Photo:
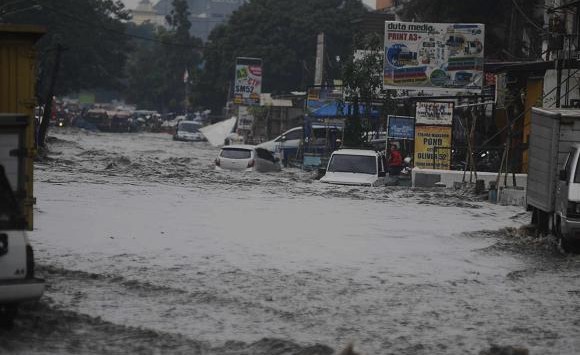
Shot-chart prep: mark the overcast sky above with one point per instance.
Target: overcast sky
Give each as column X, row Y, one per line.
column 131, row 4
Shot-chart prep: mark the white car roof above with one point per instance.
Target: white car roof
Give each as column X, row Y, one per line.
column 366, row 152
column 239, row 146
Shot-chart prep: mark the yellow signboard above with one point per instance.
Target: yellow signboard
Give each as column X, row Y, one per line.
column 433, row 147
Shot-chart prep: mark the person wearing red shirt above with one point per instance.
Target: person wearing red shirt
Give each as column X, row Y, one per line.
column 395, row 161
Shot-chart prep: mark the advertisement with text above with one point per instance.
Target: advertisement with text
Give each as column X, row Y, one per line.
column 433, row 147
column 248, row 84
column 434, row 56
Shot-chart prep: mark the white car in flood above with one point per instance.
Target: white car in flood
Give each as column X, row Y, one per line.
column 355, row 167
column 247, row 158
column 188, row 131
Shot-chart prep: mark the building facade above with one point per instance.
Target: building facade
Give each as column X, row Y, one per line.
column 204, row 14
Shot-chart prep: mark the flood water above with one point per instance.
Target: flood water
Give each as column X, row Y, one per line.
column 147, row 248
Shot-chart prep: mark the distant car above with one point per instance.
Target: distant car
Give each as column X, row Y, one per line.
column 247, row 158
column 355, row 167
column 188, row 131
column 288, row 142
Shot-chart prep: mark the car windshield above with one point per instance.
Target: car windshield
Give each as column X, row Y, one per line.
column 188, row 127
column 236, row 153
column 362, row 164
column 577, row 174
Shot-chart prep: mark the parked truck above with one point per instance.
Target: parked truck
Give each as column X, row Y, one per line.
column 17, row 141
column 553, row 188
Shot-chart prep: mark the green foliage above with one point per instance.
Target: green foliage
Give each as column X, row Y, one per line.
column 503, row 22
column 92, row 33
column 282, row 33
column 362, row 82
column 156, row 68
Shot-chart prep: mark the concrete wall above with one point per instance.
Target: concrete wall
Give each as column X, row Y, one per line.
column 446, row 178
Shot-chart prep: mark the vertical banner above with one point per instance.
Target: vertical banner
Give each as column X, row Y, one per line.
column 434, row 113
column 319, row 59
column 433, row 147
column 434, row 56
column 245, row 119
column 248, row 84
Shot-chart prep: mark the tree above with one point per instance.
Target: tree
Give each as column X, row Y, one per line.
column 83, row 48
column 505, row 22
column 362, row 82
column 156, row 69
column 283, row 34
column 92, row 33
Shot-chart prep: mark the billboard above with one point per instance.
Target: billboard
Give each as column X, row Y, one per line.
column 433, row 56
column 434, row 113
column 433, row 147
column 401, row 127
column 248, row 83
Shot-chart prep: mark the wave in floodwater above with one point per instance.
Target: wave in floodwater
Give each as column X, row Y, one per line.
column 97, row 155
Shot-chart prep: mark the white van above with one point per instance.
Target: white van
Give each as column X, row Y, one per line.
column 17, row 281
column 355, row 167
column 289, row 142
column 188, row 131
column 567, row 205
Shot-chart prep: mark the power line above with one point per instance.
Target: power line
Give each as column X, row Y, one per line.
column 529, row 109
column 527, row 18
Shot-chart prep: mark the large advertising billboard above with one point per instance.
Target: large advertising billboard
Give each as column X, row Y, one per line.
column 248, row 84
column 433, row 56
column 433, row 147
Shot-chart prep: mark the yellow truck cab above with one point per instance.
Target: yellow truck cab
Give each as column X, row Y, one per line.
column 17, row 149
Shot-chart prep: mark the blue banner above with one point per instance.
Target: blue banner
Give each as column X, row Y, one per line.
column 401, row 127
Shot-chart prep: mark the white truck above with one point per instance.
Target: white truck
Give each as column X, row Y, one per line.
column 17, row 150
column 17, row 281
column 553, row 188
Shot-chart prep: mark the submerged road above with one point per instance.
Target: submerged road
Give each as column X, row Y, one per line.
column 138, row 235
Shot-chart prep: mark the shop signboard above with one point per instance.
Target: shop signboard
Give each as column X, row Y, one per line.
column 248, row 82
column 434, row 113
column 433, row 56
column 433, row 147
column 401, row 127
column 245, row 119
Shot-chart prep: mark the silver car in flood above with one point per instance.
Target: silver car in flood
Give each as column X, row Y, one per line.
column 247, row 158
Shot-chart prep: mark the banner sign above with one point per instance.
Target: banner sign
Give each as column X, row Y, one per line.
column 434, row 113
column 248, row 84
column 433, row 147
column 434, row 56
column 245, row 119
column 401, row 127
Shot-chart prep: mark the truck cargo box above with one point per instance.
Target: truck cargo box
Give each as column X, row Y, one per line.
column 553, row 131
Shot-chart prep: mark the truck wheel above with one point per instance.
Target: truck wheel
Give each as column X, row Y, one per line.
column 565, row 244
column 7, row 314
column 534, row 216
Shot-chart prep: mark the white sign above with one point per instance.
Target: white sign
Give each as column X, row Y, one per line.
column 245, row 119
column 434, row 113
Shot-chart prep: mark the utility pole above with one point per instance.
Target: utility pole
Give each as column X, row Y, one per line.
column 43, row 130
column 318, row 73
